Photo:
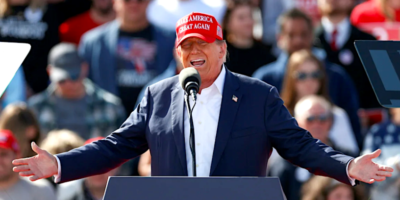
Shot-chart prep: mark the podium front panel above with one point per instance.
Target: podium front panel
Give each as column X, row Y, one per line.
column 190, row 188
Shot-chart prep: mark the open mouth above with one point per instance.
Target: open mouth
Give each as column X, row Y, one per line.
column 198, row 62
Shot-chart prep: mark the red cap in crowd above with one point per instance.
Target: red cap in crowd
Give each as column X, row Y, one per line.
column 199, row 25
column 8, row 141
column 93, row 140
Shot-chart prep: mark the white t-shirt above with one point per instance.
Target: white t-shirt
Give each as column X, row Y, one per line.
column 27, row 190
column 166, row 13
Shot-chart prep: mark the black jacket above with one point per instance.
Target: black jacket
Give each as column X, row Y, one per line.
column 347, row 57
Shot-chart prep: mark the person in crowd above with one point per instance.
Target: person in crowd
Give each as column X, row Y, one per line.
column 21, row 121
column 62, row 140
column 305, row 75
column 32, row 22
column 336, row 36
column 100, row 12
column 174, row 68
column 272, row 9
column 165, row 14
column 246, row 54
column 127, row 53
column 315, row 114
column 59, row 141
column 74, row 102
column 12, row 186
column 296, row 33
column 324, row 188
column 386, row 135
column 376, row 11
column 90, row 188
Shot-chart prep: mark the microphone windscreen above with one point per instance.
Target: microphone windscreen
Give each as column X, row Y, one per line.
column 187, row 75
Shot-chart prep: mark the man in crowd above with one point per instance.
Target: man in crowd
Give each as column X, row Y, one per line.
column 12, row 186
column 238, row 120
column 296, row 33
column 314, row 114
column 74, row 102
column 100, row 12
column 336, row 36
column 125, row 54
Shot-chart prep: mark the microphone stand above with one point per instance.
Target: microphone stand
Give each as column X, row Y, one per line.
column 191, row 137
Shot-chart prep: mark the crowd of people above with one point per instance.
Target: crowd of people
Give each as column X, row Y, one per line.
column 91, row 61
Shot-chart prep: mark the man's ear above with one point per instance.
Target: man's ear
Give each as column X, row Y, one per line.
column 222, row 52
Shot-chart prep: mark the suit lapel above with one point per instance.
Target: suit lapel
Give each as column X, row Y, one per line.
column 178, row 125
column 227, row 116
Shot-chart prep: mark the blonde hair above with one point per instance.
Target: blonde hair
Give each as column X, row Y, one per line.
column 60, row 141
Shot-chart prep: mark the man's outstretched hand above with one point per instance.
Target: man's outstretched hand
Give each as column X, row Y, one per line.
column 364, row 169
column 43, row 165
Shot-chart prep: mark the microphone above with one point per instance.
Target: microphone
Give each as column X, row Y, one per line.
column 190, row 81
column 189, row 78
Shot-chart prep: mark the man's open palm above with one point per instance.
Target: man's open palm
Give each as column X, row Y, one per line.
column 364, row 169
column 43, row 165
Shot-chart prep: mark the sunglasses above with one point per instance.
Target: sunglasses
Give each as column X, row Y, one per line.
column 315, row 75
column 320, row 118
column 66, row 80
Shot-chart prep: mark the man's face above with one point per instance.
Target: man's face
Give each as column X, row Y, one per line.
column 6, row 166
column 295, row 35
column 207, row 58
column 131, row 10
column 317, row 121
column 103, row 6
column 333, row 7
column 70, row 88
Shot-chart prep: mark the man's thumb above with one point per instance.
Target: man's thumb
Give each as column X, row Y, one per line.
column 36, row 148
column 375, row 154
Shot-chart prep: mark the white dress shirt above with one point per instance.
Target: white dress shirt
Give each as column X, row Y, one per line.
column 205, row 121
column 343, row 31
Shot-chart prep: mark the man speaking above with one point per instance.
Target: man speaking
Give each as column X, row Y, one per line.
column 237, row 121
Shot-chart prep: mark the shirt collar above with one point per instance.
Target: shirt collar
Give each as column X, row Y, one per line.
column 219, row 82
column 329, row 27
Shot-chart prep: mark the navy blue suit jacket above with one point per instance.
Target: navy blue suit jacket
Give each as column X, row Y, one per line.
column 247, row 131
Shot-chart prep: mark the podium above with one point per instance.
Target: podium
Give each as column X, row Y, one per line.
column 193, row 188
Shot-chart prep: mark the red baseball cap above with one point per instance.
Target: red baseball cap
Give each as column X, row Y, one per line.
column 93, row 140
column 8, row 141
column 199, row 25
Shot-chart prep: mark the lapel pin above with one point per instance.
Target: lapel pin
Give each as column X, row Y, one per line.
column 234, row 98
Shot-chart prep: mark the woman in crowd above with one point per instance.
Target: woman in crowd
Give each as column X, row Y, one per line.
column 22, row 122
column 376, row 11
column 325, row 188
column 246, row 54
column 305, row 75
